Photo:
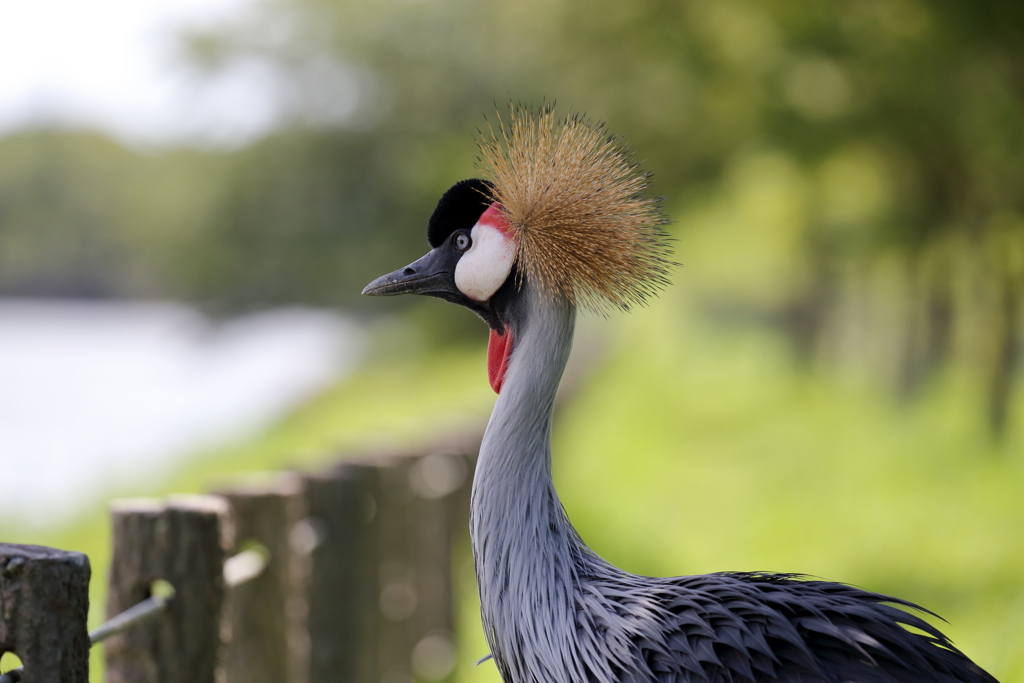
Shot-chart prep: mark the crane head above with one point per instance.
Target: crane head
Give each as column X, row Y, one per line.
column 473, row 253
column 472, row 257
column 563, row 209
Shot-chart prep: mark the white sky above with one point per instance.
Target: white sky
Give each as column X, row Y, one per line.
column 111, row 64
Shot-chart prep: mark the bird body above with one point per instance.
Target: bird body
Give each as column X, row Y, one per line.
column 555, row 612
column 552, row 610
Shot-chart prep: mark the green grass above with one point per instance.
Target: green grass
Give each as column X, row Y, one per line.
column 696, row 449
column 395, row 400
column 693, row 448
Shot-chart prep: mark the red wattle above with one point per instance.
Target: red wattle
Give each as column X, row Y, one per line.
column 499, row 349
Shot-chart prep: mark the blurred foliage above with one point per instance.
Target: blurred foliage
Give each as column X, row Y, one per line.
column 692, row 447
column 851, row 174
column 893, row 129
column 82, row 216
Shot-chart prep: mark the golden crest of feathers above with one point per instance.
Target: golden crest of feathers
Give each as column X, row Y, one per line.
column 572, row 196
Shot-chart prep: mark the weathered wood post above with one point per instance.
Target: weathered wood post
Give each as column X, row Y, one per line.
column 417, row 525
column 340, row 577
column 44, row 603
column 265, row 510
column 183, row 543
column 441, row 480
column 379, row 580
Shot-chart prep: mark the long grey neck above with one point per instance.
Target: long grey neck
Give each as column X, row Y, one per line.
column 526, row 552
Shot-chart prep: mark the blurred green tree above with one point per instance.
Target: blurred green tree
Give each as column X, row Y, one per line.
column 888, row 133
column 903, row 120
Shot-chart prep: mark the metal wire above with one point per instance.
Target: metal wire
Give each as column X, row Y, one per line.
column 133, row 616
column 238, row 569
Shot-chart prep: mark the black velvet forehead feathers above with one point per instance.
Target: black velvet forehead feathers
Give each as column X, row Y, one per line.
column 459, row 209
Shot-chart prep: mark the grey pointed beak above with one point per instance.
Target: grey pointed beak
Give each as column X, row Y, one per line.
column 434, row 273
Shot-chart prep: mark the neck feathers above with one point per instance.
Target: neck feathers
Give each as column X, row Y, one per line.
column 526, row 552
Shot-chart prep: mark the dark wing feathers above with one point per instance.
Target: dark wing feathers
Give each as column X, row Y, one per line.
column 783, row 628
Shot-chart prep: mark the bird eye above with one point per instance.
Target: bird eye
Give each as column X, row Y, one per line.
column 462, row 241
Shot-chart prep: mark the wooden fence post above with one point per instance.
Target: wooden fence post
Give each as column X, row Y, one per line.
column 44, row 603
column 340, row 577
column 181, row 542
column 256, row 613
column 432, row 521
column 379, row 584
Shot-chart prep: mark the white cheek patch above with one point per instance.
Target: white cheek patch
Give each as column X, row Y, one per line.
column 486, row 265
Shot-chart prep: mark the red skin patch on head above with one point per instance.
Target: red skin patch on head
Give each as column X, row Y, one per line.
column 499, row 346
column 495, row 217
column 499, row 349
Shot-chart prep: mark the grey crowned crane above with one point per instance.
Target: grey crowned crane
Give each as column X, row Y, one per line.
column 562, row 223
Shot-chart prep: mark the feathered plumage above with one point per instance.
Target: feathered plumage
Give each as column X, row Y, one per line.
column 555, row 612
column 573, row 197
column 552, row 610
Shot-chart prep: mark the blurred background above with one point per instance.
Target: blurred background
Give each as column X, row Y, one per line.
column 193, row 194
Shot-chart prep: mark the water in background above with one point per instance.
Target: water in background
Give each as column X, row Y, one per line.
column 96, row 395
